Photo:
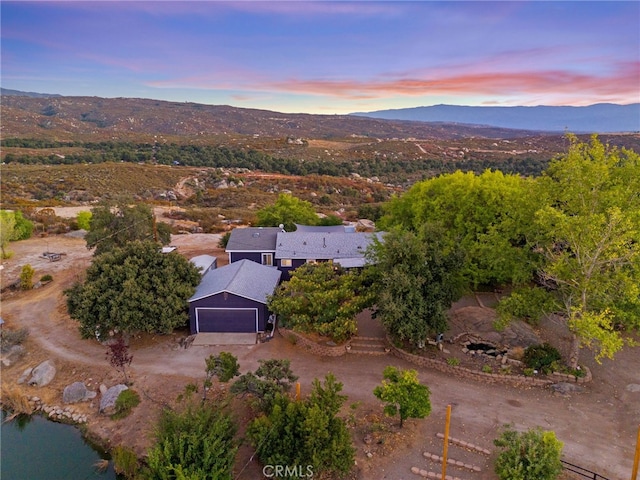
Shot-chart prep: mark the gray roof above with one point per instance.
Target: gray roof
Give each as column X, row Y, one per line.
column 323, row 246
column 253, row 239
column 203, row 262
column 243, row 278
column 321, row 228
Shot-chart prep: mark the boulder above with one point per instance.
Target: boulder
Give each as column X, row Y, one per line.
column 633, row 388
column 77, row 392
column 108, row 400
column 25, row 375
column 43, row 374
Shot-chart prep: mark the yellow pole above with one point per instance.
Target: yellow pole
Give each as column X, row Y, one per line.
column 297, row 391
column 446, row 442
column 636, row 460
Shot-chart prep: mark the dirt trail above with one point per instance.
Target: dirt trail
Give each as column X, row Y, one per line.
column 598, row 427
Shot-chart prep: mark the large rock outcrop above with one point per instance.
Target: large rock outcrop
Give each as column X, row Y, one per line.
column 108, row 400
column 43, row 374
column 77, row 392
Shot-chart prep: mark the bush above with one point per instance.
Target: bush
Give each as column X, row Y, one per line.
column 531, row 455
column 224, row 239
column 529, row 304
column 125, row 461
column 46, row 278
column 26, row 277
column 487, row 369
column 453, row 361
column 195, row 441
column 541, row 357
column 306, row 434
column 125, row 403
column 9, row 338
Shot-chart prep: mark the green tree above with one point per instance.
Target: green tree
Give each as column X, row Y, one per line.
column 306, row 435
column 272, row 378
column 531, row 455
column 589, row 237
column 195, row 442
column 487, row 216
column 287, row 210
column 418, row 280
column 26, row 277
column 224, row 366
column 23, row 228
column 84, row 220
column 115, row 226
column 322, row 298
column 403, row 394
column 7, row 231
column 132, row 289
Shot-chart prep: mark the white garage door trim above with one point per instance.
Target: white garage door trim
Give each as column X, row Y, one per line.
column 255, row 310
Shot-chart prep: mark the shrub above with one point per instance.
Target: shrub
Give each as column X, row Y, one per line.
column 125, row 461
column 195, row 441
column 454, row 362
column 9, row 338
column 541, row 357
column 528, row 372
column 306, row 433
column 26, row 277
column 224, row 239
column 125, row 403
column 46, row 278
column 531, row 455
column 487, row 369
column 529, row 304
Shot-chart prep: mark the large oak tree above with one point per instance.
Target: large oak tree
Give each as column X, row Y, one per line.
column 135, row 288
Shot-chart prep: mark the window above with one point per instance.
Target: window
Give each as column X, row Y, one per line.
column 267, row 259
column 286, row 262
column 311, row 260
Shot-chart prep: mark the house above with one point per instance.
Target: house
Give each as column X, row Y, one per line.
column 253, row 243
column 294, row 249
column 233, row 298
column 272, row 246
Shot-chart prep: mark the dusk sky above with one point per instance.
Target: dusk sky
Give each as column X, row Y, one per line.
column 327, row 57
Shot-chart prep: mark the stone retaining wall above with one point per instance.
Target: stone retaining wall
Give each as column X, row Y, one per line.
column 311, row 346
column 517, row 380
column 66, row 414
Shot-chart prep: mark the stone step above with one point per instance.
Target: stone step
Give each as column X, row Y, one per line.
column 368, row 346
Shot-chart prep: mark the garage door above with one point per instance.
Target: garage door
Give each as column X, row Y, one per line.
column 226, row 320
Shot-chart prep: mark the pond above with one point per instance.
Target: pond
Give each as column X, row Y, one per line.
column 35, row 448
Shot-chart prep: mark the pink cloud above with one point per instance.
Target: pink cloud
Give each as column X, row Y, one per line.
column 621, row 84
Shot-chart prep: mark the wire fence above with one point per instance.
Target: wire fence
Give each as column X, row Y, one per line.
column 583, row 472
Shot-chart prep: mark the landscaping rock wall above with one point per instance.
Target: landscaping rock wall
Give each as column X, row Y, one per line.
column 517, row 380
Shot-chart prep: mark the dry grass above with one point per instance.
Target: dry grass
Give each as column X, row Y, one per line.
column 14, row 399
column 101, row 465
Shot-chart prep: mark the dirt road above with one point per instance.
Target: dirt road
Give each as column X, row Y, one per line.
column 598, row 427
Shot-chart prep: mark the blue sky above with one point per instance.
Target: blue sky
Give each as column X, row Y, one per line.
column 327, row 57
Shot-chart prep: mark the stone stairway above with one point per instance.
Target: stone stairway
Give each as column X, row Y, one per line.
column 368, row 346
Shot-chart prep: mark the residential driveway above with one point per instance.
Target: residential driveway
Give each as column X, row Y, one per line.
column 598, row 427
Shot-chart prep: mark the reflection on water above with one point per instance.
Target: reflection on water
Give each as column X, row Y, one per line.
column 33, row 448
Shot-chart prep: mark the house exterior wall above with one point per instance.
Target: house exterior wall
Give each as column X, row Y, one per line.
column 253, row 256
column 286, row 271
column 230, row 302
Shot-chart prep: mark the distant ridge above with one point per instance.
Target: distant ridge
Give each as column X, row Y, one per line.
column 18, row 93
column 598, row 118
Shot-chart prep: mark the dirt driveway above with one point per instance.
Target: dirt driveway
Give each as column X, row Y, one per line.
column 598, row 427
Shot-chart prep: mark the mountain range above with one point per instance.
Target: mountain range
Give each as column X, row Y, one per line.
column 598, row 118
